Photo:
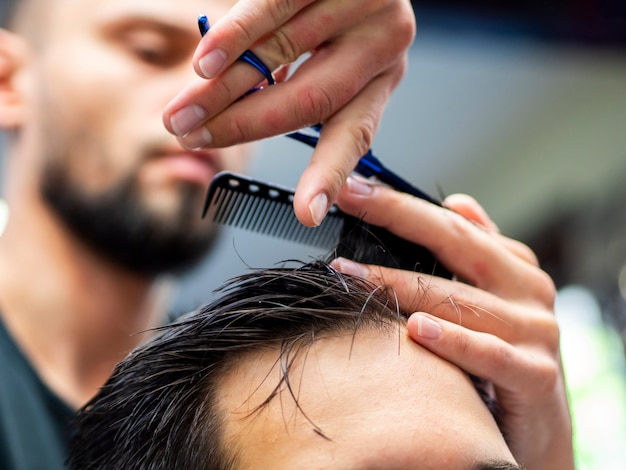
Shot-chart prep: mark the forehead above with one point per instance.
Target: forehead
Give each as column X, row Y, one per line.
column 378, row 402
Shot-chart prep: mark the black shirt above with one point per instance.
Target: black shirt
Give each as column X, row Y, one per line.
column 34, row 427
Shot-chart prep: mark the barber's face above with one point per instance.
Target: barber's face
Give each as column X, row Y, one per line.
column 378, row 403
column 103, row 74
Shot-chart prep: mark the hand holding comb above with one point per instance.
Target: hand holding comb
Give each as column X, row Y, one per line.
column 257, row 206
column 265, row 208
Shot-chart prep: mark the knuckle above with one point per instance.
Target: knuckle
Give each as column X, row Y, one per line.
column 404, row 23
column 362, row 133
column 240, row 29
column 543, row 356
column 463, row 343
column 407, row 29
column 336, row 178
column 222, row 92
column 528, row 254
column 239, row 131
column 552, row 337
column 538, row 326
column 333, row 177
column 286, row 47
column 459, row 227
column 502, row 358
column 281, row 9
column 522, row 250
column 549, row 373
column 313, row 104
column 545, row 290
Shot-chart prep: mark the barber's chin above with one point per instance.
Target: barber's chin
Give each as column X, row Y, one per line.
column 186, row 167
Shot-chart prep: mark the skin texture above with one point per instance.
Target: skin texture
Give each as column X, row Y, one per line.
column 498, row 324
column 354, row 392
column 358, row 58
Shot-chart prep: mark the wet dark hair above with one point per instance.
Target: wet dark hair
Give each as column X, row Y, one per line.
column 158, row 410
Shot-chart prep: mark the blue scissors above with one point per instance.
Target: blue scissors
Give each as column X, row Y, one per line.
column 367, row 166
column 248, row 57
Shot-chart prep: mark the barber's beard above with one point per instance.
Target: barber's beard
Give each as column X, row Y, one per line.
column 117, row 226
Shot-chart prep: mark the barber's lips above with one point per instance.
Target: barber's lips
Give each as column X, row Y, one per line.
column 194, row 167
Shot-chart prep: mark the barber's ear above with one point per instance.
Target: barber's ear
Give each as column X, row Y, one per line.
column 12, row 59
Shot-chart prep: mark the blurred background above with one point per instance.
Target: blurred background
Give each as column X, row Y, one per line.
column 522, row 105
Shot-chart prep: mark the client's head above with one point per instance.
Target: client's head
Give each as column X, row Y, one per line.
column 289, row 369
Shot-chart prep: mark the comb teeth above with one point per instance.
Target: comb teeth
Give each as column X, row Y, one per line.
column 244, row 203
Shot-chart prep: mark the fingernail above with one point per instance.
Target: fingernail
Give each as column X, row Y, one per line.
column 318, row 207
column 347, row 266
column 187, row 119
column 197, row 139
column 427, row 327
column 359, row 186
column 212, row 63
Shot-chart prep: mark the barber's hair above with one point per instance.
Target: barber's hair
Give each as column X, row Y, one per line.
column 158, row 410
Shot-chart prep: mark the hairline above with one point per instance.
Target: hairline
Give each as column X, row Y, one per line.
column 231, row 446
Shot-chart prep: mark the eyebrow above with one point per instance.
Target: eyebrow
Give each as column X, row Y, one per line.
column 112, row 18
column 171, row 27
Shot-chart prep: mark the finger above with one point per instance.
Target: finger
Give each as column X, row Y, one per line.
column 469, row 208
column 238, row 30
column 520, row 250
column 346, row 137
column 365, row 52
column 316, row 90
column 515, row 321
column 468, row 251
column 321, row 86
column 528, row 384
column 508, row 367
column 289, row 28
column 310, row 95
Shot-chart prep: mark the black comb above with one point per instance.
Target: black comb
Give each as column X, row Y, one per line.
column 239, row 201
